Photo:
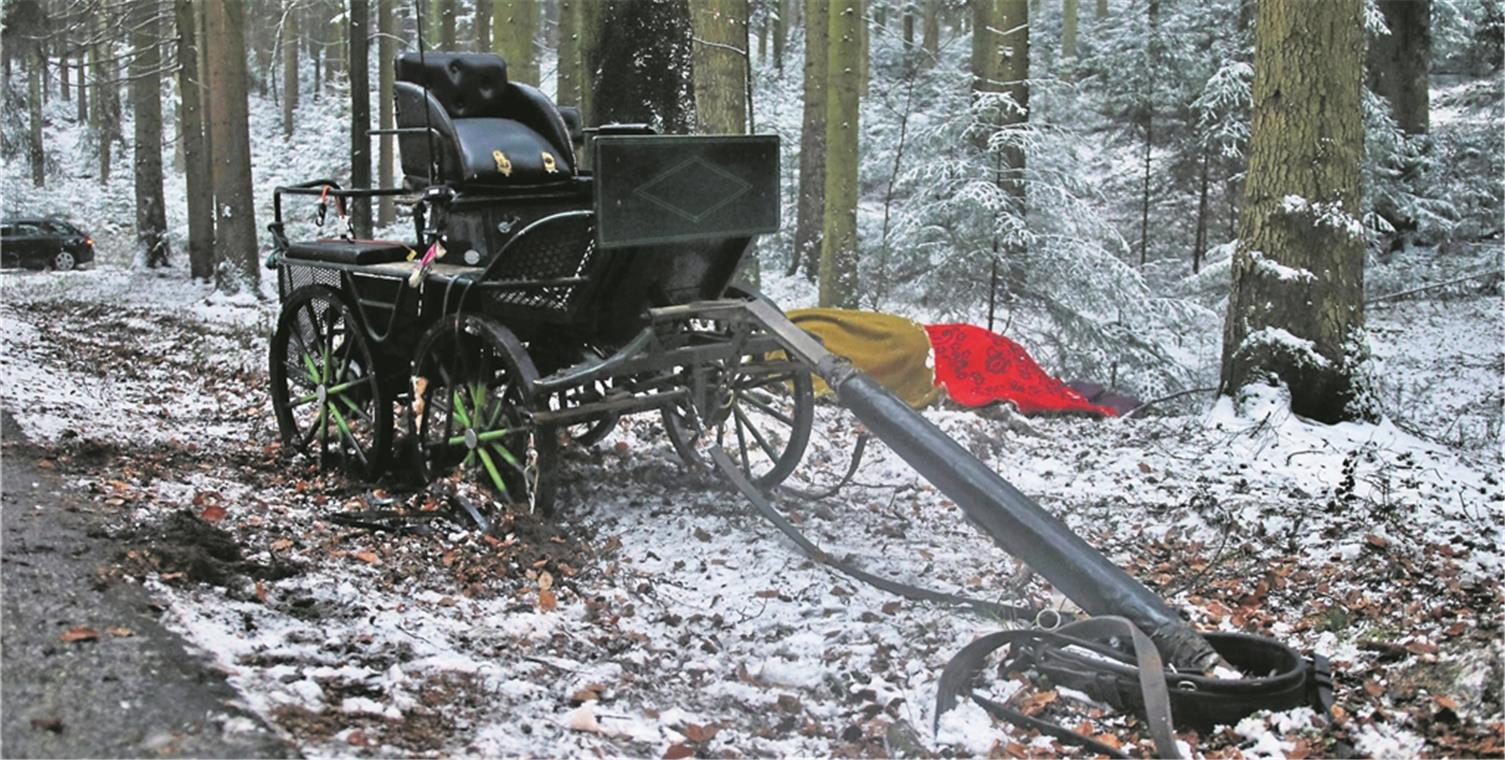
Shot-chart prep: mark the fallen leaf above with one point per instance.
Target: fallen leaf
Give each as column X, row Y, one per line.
column 545, row 581
column 583, row 718
column 120, row 632
column 546, row 601
column 586, row 694
column 213, row 513
column 46, row 464
column 53, row 724
column 701, row 734
column 767, row 594
column 1144, row 468
column 356, row 738
column 1445, row 701
column 1110, row 740
column 678, row 751
column 261, row 592
column 890, row 608
column 282, row 544
column 79, row 633
column 1377, row 541
column 701, row 535
column 368, row 557
column 1373, row 688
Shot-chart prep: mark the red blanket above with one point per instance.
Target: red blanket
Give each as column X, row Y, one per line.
column 978, row 367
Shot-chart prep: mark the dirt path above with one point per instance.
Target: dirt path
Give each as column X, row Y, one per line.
column 124, row 686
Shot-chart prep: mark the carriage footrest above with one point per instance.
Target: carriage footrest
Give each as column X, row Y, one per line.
column 349, row 251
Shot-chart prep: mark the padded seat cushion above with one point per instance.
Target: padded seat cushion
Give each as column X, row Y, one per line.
column 349, row 251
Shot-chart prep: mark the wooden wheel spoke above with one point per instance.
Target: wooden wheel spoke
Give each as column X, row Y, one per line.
column 756, row 434
column 741, row 441
column 765, row 408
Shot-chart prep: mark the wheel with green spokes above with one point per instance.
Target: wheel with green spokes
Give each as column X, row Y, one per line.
column 473, row 391
column 326, row 391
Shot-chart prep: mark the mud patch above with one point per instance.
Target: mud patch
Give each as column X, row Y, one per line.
column 183, row 546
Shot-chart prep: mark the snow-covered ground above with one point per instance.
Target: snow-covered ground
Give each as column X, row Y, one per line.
column 656, row 616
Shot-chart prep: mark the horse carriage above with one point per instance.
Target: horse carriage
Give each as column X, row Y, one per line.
column 537, row 301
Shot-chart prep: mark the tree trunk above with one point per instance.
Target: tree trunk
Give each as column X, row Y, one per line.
column 386, row 51
column 864, row 34
column 313, row 26
column 931, row 39
column 780, row 31
column 1147, row 108
column 908, row 26
column 483, row 26
column 838, row 255
column 64, row 88
column 1296, row 311
column 1102, row 9
column 235, row 247
column 588, row 16
column 720, row 65
column 1000, row 64
column 643, row 64
column 1199, row 249
column 360, row 113
column 1068, row 28
column 1399, row 62
column 443, row 19
column 146, row 104
column 567, row 85
column 289, row 36
column 514, row 27
column 34, row 116
column 83, row 90
column 810, row 214
column 200, row 193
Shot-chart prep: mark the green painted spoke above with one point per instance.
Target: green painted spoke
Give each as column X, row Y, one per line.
column 492, row 435
column 308, row 436
column 458, row 407
column 350, row 436
column 311, row 367
column 304, row 400
column 507, row 457
column 496, row 477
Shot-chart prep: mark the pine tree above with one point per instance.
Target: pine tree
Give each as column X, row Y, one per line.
column 1296, row 312
column 514, row 27
column 810, row 211
column 146, row 104
column 200, row 191
column 838, row 256
column 236, row 264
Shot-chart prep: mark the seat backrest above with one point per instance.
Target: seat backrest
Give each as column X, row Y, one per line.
column 491, row 131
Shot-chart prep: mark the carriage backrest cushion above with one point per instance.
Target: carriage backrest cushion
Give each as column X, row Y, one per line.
column 495, row 132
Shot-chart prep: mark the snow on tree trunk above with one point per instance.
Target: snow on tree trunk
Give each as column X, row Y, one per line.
column 568, row 82
column 810, row 212
column 514, row 25
column 146, row 103
column 838, row 255
column 1296, row 312
column 234, row 205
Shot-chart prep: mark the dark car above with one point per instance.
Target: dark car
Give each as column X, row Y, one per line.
column 44, row 243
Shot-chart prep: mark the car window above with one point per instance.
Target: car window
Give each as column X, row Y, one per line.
column 27, row 229
column 58, row 228
column 7, row 231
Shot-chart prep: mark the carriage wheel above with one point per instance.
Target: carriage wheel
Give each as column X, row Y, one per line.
column 589, row 432
column 325, row 390
column 760, row 411
column 473, row 391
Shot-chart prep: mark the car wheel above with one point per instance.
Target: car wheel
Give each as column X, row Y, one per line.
column 63, row 261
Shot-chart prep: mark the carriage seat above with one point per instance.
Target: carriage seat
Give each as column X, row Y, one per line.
column 335, row 251
column 490, row 131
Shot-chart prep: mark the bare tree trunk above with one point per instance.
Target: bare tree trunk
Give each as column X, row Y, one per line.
column 780, row 10
column 908, row 24
column 443, row 20
column 1147, row 106
column 1296, row 311
column 643, row 64
column 1399, row 62
column 386, row 51
column 931, row 39
column 146, row 103
column 568, row 81
column 810, row 214
column 1068, row 28
column 62, row 71
column 38, row 156
column 514, row 27
column 236, row 264
column 1200, row 248
column 838, row 256
column 195, row 156
column 720, row 28
column 83, row 90
column 1102, row 9
column 483, row 26
column 359, row 34
column 290, row 32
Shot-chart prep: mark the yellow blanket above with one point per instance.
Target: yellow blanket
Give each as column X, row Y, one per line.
column 893, row 350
